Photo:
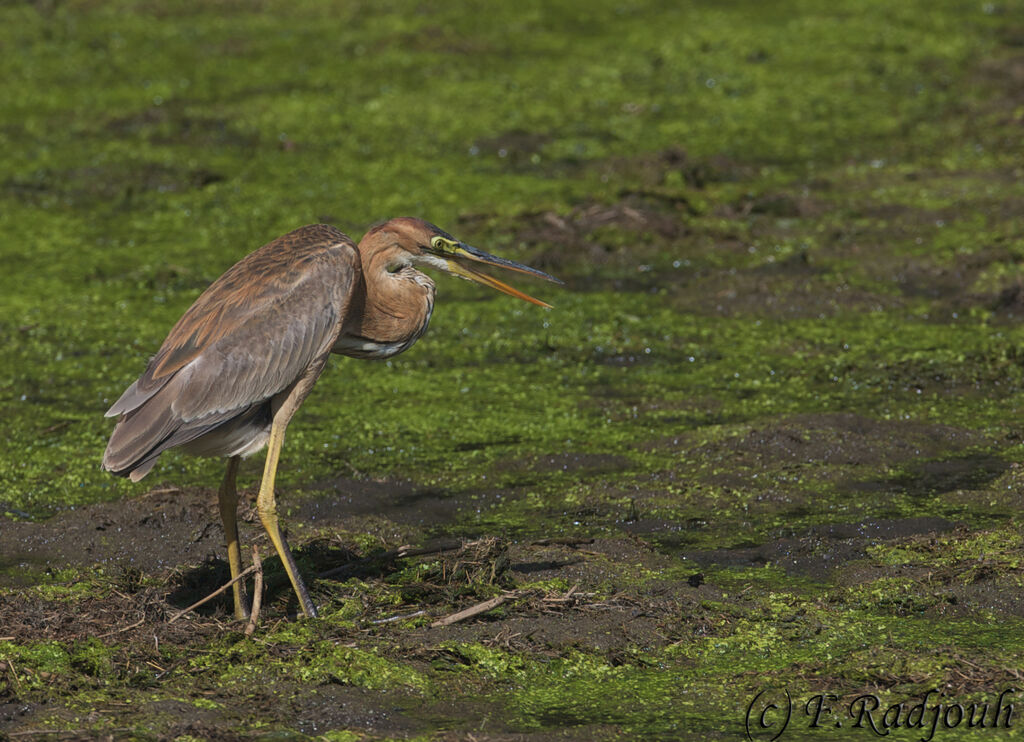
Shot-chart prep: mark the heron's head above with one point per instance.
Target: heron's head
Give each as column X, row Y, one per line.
column 425, row 244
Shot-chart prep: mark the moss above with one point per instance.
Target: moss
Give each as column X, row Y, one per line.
column 41, row 657
column 339, row 735
column 92, row 657
column 213, row 167
column 1000, row 546
column 487, row 661
column 68, row 592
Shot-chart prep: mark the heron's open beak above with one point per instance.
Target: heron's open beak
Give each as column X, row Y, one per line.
column 460, row 251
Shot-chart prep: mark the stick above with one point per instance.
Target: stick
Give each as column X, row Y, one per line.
column 161, row 491
column 257, row 592
column 81, row 733
column 14, row 674
column 390, row 619
column 561, row 541
column 435, row 548
column 388, row 556
column 242, row 575
column 126, row 628
column 473, row 610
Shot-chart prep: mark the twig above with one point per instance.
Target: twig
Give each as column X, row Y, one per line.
column 126, row 628
column 78, row 733
column 474, row 610
column 561, row 541
column 389, row 556
column 160, row 491
column 257, row 592
column 436, row 547
column 390, row 619
column 14, row 674
column 242, row 575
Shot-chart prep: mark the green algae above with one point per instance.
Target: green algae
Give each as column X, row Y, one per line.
column 319, row 662
column 176, row 118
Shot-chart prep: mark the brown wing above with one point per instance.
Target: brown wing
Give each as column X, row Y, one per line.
column 253, row 332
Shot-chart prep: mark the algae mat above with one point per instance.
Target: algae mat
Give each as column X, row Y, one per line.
column 762, row 456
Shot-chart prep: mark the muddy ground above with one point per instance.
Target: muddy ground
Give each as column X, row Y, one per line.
column 154, row 555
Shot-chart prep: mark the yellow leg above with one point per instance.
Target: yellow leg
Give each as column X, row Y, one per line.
column 267, row 509
column 229, row 517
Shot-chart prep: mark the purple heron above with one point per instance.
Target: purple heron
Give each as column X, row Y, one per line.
column 243, row 357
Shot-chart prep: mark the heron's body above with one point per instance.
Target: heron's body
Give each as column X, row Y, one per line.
column 242, row 358
column 275, row 314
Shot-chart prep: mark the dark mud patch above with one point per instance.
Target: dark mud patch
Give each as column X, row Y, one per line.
column 763, row 272
column 919, row 577
column 580, row 464
column 675, row 166
column 588, row 233
column 846, row 439
column 781, row 205
column 930, row 478
column 158, row 530
column 758, row 254
column 393, row 510
column 1005, row 74
column 170, row 123
column 1010, row 300
column 785, row 477
column 822, row 550
column 838, row 441
column 952, row 285
column 336, row 706
column 555, row 626
column 403, row 502
column 791, row 288
column 964, row 592
column 115, row 610
column 120, row 183
column 785, row 465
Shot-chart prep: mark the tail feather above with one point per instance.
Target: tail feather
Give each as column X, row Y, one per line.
column 145, row 432
column 140, row 471
column 137, row 438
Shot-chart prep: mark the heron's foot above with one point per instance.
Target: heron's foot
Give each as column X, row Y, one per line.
column 269, row 518
column 307, row 604
column 298, row 584
column 242, row 610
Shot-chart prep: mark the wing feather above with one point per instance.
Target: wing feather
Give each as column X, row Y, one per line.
column 249, row 336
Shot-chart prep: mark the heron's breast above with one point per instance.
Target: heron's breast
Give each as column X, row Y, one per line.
column 383, row 339
column 393, row 314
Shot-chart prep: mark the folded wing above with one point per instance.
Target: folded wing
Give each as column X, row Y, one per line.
column 248, row 337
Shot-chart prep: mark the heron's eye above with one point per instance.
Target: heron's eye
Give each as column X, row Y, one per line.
column 438, row 243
